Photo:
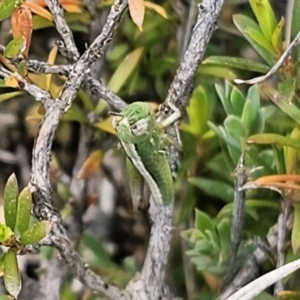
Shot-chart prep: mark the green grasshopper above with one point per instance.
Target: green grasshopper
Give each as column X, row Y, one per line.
column 145, row 143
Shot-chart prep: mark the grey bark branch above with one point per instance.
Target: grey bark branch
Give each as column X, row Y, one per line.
column 39, row 182
column 237, row 218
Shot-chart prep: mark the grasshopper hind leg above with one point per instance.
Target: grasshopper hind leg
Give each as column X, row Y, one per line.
column 175, row 116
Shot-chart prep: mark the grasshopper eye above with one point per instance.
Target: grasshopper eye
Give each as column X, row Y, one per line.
column 139, row 128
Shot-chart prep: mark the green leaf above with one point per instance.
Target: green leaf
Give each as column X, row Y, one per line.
column 244, row 23
column 287, row 88
column 7, row 7
column 264, row 296
column 275, row 139
column 125, row 69
column 287, row 107
column 223, row 229
column 295, row 28
column 123, row 72
column 234, row 125
column 10, row 201
column 277, row 35
column 251, row 115
column 203, row 222
column 265, row 17
column 118, row 52
column 257, row 37
column 2, row 83
column 295, row 240
column 102, row 257
column 259, row 123
column 24, row 205
column 217, row 71
column 6, row 297
column 35, row 233
column 12, row 279
column 225, row 135
column 214, row 188
column 238, row 63
column 248, row 115
column 5, row 233
column 253, row 96
column 9, row 96
column 237, row 100
column 2, row 256
column 192, row 236
column 198, row 103
column 14, row 47
column 40, row 22
column 250, row 203
column 225, row 100
column 291, row 154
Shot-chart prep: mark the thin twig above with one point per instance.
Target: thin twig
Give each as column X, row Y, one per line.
column 238, row 218
column 275, row 68
column 40, row 185
column 282, row 235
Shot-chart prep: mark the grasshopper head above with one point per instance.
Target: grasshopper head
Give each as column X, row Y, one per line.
column 135, row 123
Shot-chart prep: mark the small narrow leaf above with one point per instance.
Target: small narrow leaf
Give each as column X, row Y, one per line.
column 237, row 62
column 12, row 81
column 198, row 103
column 9, row 96
column 224, row 191
column 35, row 233
column 91, row 164
column 277, row 35
column 265, row 16
column 5, row 233
column 257, row 37
column 275, row 139
column 227, row 105
column 203, row 222
column 243, row 23
column 295, row 26
column 287, row 88
column 15, row 47
column 2, row 256
column 237, row 100
column 157, row 8
column 296, row 229
column 24, row 205
column 287, row 107
column 39, row 10
column 10, row 201
column 137, row 12
column 6, row 297
column 106, row 125
column 125, row 69
column 21, row 24
column 218, row 71
column 51, row 60
column 234, row 125
column 12, row 279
